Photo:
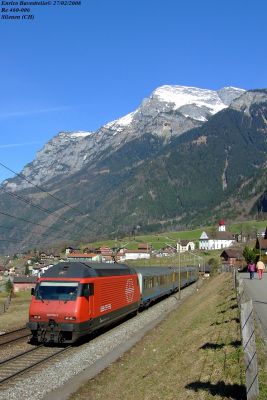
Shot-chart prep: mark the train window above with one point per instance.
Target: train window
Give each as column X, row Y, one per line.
column 56, row 290
column 148, row 282
column 87, row 289
column 156, row 281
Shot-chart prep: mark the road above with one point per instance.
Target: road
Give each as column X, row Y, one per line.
column 256, row 290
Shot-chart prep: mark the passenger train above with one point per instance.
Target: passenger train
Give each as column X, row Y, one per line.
column 73, row 299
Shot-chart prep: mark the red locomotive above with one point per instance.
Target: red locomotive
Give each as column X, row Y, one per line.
column 74, row 299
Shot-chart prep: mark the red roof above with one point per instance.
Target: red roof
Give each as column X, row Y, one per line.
column 221, row 222
column 144, row 246
column 81, row 255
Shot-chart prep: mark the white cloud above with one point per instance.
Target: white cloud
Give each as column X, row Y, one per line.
column 31, row 112
column 6, row 146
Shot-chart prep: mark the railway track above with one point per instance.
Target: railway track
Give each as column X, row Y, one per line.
column 22, row 362
column 12, row 336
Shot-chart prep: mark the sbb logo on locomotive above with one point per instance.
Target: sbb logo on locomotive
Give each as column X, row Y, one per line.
column 129, row 290
column 105, row 307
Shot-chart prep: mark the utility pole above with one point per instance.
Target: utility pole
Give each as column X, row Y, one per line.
column 179, row 268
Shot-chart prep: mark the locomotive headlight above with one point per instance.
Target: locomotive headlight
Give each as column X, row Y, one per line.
column 36, row 316
column 70, row 318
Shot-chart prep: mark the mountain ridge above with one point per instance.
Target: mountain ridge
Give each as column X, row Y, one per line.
column 170, row 110
column 154, row 182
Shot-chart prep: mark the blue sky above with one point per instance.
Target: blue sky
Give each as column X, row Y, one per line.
column 76, row 68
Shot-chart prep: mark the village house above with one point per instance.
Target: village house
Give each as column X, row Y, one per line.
column 166, row 251
column 144, row 246
column 133, row 255
column 233, row 258
column 185, row 245
column 83, row 257
column 22, row 283
column 49, row 256
column 106, row 251
column 261, row 245
column 217, row 240
column 70, row 250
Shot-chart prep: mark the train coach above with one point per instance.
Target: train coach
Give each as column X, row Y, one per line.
column 157, row 282
column 73, row 299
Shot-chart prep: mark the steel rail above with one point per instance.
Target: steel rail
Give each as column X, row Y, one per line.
column 5, row 337
column 20, row 370
column 7, row 360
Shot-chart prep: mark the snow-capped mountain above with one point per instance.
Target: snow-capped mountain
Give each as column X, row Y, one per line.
column 196, row 103
column 169, row 111
column 147, row 170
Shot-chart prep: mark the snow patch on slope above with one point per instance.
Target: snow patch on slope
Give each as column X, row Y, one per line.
column 80, row 134
column 123, row 121
column 185, row 95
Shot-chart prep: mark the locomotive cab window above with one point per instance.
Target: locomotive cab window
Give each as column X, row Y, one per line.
column 87, row 289
column 49, row 290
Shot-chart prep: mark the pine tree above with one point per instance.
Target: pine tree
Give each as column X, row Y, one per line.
column 9, row 286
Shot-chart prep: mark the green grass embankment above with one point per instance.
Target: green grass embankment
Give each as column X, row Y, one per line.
column 194, row 354
column 18, row 312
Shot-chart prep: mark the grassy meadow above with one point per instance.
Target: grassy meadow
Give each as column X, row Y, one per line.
column 18, row 312
column 160, row 240
column 195, row 353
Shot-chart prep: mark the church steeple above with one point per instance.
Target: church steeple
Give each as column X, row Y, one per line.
column 221, row 225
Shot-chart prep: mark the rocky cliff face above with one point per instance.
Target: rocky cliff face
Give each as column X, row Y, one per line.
column 156, row 168
column 168, row 112
column 248, row 100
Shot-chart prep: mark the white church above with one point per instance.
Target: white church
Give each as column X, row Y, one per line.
column 216, row 240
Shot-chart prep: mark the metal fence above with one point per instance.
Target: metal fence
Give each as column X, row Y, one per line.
column 248, row 339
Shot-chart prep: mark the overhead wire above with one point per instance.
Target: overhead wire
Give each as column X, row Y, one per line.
column 48, row 193
column 27, row 201
column 33, row 223
column 32, row 204
column 25, row 220
column 21, row 198
column 24, row 231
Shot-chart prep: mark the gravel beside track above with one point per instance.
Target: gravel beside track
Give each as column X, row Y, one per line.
column 14, row 348
column 12, row 336
column 58, row 379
